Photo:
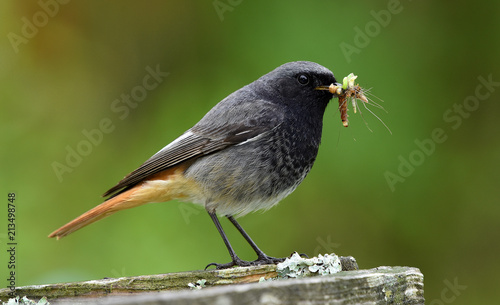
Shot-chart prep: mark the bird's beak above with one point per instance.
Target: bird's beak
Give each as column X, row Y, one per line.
column 333, row 88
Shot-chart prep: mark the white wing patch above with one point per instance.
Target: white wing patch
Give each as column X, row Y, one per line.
column 174, row 142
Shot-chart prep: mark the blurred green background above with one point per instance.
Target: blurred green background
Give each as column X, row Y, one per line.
column 60, row 77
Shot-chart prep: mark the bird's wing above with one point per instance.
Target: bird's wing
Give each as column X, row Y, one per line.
column 202, row 139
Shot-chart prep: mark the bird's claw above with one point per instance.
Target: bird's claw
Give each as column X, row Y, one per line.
column 265, row 260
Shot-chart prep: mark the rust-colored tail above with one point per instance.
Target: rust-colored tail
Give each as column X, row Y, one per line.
column 163, row 186
column 108, row 207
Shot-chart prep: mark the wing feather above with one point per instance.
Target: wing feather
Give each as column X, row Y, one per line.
column 229, row 123
column 187, row 147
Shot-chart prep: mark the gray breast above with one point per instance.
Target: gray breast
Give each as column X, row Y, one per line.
column 255, row 175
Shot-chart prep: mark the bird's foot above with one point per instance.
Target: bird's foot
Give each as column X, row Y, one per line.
column 266, row 260
column 261, row 260
column 236, row 262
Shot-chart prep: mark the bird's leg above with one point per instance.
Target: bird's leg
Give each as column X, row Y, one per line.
column 235, row 260
column 262, row 258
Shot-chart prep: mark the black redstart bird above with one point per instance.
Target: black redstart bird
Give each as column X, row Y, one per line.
column 246, row 154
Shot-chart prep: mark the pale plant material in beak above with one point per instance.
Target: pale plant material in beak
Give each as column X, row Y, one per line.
column 350, row 91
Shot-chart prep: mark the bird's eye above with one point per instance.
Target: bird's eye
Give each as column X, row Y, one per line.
column 303, row 79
